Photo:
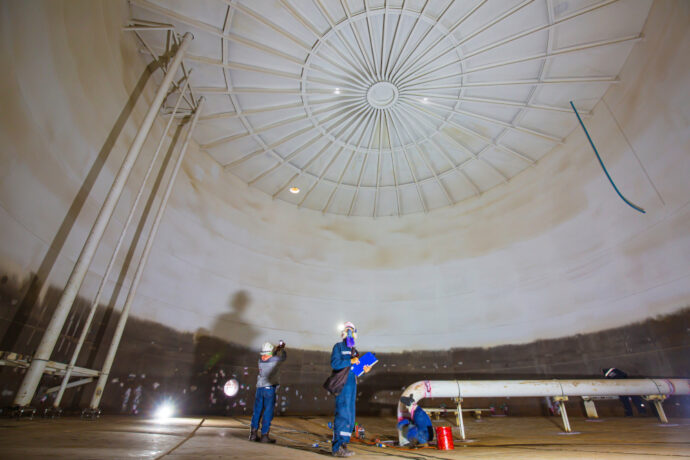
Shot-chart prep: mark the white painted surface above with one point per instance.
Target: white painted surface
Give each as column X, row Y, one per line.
column 387, row 108
column 552, row 253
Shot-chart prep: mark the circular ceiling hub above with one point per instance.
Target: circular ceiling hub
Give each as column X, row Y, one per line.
column 382, row 95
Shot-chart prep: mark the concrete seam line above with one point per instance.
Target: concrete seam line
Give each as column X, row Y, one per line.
column 187, row 438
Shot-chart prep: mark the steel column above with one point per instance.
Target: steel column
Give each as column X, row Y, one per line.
column 111, row 263
column 45, row 349
column 119, row 329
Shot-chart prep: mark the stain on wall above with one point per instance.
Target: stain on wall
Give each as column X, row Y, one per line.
column 156, row 363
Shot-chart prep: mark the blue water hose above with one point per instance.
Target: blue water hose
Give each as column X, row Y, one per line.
column 636, row 208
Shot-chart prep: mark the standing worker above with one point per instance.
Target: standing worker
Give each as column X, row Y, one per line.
column 343, row 356
column 269, row 364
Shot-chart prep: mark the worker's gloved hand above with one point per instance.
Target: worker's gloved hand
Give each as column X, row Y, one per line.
column 402, row 423
column 354, row 360
column 367, row 369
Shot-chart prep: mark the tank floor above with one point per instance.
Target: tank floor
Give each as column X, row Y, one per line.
column 114, row 437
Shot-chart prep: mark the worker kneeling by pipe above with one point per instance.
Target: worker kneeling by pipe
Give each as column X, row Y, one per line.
column 418, row 431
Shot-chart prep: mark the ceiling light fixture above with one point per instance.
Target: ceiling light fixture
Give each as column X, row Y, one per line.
column 294, row 190
column 425, row 100
column 337, row 91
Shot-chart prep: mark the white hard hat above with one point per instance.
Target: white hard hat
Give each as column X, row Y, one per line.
column 348, row 325
column 267, row 348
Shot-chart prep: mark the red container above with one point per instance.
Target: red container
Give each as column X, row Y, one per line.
column 444, row 438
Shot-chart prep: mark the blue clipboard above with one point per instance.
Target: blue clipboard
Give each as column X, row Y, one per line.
column 367, row 359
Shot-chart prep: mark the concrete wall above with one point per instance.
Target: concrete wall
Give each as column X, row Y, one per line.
column 551, row 254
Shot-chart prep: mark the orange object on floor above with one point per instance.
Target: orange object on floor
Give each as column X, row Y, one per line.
column 444, row 438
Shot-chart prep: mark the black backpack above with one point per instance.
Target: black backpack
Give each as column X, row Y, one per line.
column 336, row 381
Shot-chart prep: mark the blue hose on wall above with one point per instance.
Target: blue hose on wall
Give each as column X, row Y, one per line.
column 636, row 208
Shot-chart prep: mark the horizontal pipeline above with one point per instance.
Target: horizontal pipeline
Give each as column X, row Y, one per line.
column 535, row 388
column 657, row 389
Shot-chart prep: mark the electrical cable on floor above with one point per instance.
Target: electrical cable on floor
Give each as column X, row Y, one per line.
column 636, row 208
column 299, row 445
column 187, row 438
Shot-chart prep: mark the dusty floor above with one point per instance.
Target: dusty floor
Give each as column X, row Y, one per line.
column 497, row 437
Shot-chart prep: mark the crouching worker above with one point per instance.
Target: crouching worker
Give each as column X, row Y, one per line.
column 419, row 431
column 613, row 373
column 269, row 364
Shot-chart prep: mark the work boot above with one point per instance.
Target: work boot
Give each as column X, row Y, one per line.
column 254, row 436
column 266, row 439
column 343, row 452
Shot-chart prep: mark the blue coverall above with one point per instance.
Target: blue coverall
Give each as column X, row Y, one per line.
column 344, row 421
column 422, row 429
column 614, row 373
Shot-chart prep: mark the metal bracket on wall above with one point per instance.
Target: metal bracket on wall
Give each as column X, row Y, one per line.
column 12, row 359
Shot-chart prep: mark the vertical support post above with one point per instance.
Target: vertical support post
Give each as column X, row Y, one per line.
column 458, row 419
column 45, row 349
column 564, row 414
column 590, row 408
column 113, row 258
column 660, row 411
column 119, row 329
column 657, row 400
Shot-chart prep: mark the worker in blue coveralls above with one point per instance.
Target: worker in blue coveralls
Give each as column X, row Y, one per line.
column 344, row 355
column 613, row 373
column 266, row 382
column 419, row 431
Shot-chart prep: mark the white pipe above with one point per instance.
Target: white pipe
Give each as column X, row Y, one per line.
column 111, row 263
column 119, row 329
column 45, row 349
column 540, row 388
column 73, row 384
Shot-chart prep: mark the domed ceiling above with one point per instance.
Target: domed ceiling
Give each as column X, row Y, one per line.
column 379, row 108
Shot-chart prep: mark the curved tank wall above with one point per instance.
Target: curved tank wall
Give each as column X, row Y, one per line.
column 552, row 254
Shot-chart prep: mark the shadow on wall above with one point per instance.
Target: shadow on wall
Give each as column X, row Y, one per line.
column 231, row 334
column 234, row 326
column 28, row 309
